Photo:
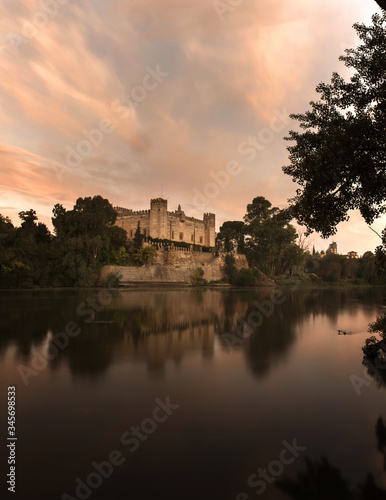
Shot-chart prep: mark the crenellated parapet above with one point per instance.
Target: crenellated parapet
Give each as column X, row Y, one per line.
column 160, row 223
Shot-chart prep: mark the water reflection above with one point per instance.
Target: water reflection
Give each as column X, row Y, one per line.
column 322, row 480
column 239, row 395
column 156, row 326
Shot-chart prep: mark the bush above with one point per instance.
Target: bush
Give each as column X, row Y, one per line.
column 15, row 275
column 245, row 277
column 121, row 257
column 145, row 255
column 113, row 278
column 197, row 277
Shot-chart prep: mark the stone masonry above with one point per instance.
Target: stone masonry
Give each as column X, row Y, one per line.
column 174, row 266
column 158, row 222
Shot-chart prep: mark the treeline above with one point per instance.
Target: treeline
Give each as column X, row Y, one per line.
column 266, row 237
column 85, row 238
column 333, row 267
column 270, row 244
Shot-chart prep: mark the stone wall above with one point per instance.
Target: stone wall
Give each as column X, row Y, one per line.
column 176, row 226
column 130, row 222
column 189, row 231
column 174, row 267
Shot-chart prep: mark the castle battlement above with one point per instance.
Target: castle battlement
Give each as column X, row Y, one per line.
column 160, row 223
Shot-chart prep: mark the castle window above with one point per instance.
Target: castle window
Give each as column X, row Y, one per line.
column 144, row 232
column 131, row 233
column 181, row 236
column 200, row 239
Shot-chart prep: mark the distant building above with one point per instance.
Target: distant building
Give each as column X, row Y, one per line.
column 158, row 222
column 332, row 248
column 352, row 255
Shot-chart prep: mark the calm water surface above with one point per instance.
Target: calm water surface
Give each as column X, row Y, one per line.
column 244, row 382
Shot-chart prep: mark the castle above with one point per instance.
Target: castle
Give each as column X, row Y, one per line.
column 158, row 222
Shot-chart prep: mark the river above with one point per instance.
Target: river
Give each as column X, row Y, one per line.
column 191, row 394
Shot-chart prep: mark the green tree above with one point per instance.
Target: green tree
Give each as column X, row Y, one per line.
column 82, row 243
column 7, row 231
column 270, row 243
column 230, row 269
column 380, row 256
column 138, row 239
column 339, row 157
column 197, row 277
column 24, row 251
column 28, row 217
column 231, row 236
column 145, row 255
column 367, row 267
column 330, row 267
column 121, row 257
column 89, row 217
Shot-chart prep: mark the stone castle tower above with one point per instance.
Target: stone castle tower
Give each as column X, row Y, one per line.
column 158, row 222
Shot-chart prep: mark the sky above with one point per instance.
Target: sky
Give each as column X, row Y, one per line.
column 184, row 99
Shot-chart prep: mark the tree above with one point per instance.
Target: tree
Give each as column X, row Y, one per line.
column 6, row 232
column 339, row 160
column 121, row 257
column 138, row 238
column 380, row 255
column 230, row 268
column 145, row 255
column 330, row 267
column 270, row 244
column 89, row 217
column 28, row 218
column 231, row 236
column 24, row 251
column 367, row 267
column 82, row 243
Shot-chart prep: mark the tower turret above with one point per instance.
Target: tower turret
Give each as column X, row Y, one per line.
column 209, row 229
column 158, row 218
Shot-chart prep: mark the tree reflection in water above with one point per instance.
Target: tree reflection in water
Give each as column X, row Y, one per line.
column 321, row 480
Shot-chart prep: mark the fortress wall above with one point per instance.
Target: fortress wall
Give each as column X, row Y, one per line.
column 130, row 222
column 177, row 273
column 192, row 231
column 176, row 226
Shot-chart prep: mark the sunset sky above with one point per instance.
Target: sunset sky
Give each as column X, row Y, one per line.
column 137, row 99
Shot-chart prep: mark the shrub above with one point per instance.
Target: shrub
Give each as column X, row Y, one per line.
column 245, row 277
column 197, row 277
column 15, row 275
column 145, row 255
column 121, row 257
column 113, row 278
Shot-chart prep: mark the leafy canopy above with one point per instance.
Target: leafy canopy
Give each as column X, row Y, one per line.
column 271, row 238
column 339, row 157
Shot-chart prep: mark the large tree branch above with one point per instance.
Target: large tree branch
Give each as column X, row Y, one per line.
column 382, row 4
